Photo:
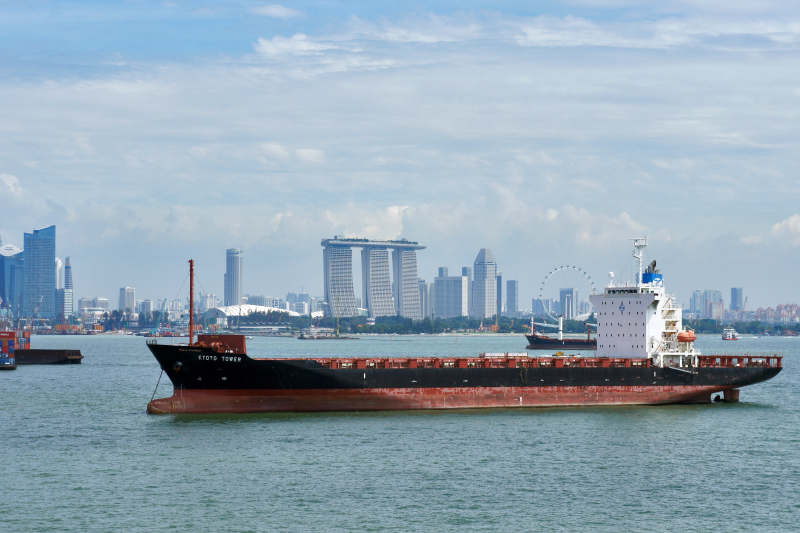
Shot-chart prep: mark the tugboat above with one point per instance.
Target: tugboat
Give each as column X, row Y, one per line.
column 729, row 334
column 644, row 357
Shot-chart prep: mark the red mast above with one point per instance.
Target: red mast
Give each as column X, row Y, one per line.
column 191, row 302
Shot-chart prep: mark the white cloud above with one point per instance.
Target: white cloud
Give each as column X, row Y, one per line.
column 11, row 182
column 752, row 239
column 427, row 28
column 310, row 155
column 275, row 11
column 298, row 44
column 357, row 220
column 788, row 230
column 275, row 151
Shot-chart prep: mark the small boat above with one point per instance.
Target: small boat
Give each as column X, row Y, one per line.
column 729, row 334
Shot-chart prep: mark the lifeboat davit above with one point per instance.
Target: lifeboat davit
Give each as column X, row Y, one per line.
column 687, row 336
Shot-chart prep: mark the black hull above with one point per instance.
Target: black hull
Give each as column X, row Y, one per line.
column 537, row 342
column 202, row 369
column 48, row 357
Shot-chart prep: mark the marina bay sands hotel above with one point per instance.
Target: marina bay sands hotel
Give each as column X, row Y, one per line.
column 381, row 298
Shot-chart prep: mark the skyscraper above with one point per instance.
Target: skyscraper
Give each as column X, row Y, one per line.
column 339, row 293
column 406, row 287
column 696, row 302
column 568, row 302
column 233, row 277
column 65, row 301
column 127, row 299
column 450, row 296
column 484, row 285
column 67, row 274
column 376, row 282
column 499, row 295
column 424, row 302
column 512, row 297
column 467, row 271
column 40, row 273
column 12, row 278
column 59, row 274
column 737, row 298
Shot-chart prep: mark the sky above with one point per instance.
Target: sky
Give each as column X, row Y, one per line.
column 154, row 132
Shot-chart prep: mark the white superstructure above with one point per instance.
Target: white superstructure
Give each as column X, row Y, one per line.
column 641, row 320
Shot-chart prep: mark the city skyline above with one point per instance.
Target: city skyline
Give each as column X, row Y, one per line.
column 706, row 303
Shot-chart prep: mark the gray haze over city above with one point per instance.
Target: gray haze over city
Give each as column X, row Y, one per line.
column 150, row 133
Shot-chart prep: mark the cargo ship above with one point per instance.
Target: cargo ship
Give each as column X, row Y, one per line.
column 537, row 341
column 644, row 357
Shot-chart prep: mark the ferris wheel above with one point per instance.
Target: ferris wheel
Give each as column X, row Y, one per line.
column 571, row 287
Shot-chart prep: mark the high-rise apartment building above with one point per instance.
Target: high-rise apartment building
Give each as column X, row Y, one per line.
column 127, row 300
column 12, row 279
column 737, row 299
column 450, row 296
column 100, row 303
column 376, row 282
column 233, row 277
column 406, row 287
column 40, row 273
column 512, row 298
column 484, row 285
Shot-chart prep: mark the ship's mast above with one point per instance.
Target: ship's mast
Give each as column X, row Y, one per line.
column 191, row 302
column 640, row 244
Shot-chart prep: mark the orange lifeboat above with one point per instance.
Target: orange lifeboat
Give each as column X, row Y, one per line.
column 687, row 336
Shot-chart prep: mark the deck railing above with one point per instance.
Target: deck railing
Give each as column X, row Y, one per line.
column 511, row 361
column 747, row 360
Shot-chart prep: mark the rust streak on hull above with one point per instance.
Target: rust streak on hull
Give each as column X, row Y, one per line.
column 326, row 400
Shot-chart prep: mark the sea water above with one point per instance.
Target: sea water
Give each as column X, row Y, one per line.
column 80, row 454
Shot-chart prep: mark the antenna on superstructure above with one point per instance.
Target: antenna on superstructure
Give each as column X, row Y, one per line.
column 640, row 244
